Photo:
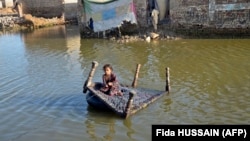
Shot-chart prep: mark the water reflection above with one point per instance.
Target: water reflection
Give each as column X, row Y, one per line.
column 108, row 134
column 100, row 127
column 130, row 130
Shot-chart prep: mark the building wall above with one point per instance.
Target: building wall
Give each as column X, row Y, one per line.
column 43, row 8
column 51, row 8
column 211, row 13
column 141, row 12
column 70, row 8
column 234, row 14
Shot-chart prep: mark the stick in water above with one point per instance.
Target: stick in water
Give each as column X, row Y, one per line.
column 167, row 80
column 91, row 74
column 134, row 84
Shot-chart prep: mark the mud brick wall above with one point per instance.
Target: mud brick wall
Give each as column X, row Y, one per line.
column 70, row 9
column 232, row 19
column 141, row 12
column 211, row 13
column 236, row 17
column 187, row 13
column 43, row 8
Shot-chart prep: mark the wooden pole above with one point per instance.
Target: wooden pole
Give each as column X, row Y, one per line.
column 91, row 74
column 167, row 80
column 134, row 84
column 129, row 104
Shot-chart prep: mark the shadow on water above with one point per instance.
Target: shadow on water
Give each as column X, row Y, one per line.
column 101, row 113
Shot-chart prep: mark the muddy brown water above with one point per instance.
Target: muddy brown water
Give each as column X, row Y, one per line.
column 42, row 73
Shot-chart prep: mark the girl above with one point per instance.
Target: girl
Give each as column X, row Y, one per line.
column 110, row 83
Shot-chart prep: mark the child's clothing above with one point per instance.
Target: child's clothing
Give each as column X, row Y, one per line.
column 110, row 90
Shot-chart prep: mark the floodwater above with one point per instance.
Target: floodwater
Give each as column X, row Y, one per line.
column 42, row 73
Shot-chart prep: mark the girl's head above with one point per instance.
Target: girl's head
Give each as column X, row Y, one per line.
column 107, row 69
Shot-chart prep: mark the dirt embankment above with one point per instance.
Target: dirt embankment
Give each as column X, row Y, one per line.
column 7, row 11
column 9, row 16
column 38, row 22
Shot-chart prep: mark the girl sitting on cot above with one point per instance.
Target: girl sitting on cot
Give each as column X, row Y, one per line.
column 110, row 83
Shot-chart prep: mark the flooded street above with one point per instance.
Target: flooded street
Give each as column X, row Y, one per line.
column 42, row 73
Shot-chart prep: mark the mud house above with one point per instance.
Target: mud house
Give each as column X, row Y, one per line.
column 217, row 14
column 51, row 8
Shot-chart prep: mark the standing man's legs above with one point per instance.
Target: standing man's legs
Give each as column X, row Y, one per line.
column 155, row 21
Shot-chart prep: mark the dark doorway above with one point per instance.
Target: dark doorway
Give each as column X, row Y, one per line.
column 163, row 6
column 168, row 9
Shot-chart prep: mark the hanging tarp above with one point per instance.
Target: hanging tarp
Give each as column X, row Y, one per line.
column 109, row 15
column 100, row 1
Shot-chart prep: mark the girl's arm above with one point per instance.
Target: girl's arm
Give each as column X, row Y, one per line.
column 104, row 80
column 113, row 79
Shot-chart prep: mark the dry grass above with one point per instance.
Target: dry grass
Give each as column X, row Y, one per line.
column 39, row 22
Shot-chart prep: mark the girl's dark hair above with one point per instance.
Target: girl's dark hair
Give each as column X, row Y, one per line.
column 107, row 66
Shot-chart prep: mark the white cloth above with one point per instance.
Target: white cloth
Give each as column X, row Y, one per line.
column 155, row 14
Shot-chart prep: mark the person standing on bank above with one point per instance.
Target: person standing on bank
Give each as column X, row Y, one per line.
column 155, row 14
column 18, row 7
column 91, row 24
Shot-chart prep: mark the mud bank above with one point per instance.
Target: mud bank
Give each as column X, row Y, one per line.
column 167, row 32
column 148, row 37
column 132, row 33
column 28, row 22
column 9, row 20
